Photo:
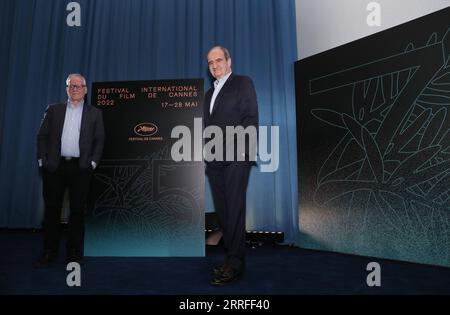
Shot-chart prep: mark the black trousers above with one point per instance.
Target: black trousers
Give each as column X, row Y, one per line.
column 229, row 188
column 67, row 176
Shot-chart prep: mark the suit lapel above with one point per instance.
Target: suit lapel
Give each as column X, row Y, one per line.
column 84, row 119
column 207, row 103
column 61, row 116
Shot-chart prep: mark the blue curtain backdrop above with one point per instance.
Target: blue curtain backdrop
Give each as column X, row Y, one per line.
column 143, row 40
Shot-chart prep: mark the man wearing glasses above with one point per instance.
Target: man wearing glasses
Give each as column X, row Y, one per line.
column 69, row 147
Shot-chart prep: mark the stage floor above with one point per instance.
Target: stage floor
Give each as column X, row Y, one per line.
column 271, row 270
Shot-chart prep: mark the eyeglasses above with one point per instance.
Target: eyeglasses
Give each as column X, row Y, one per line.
column 75, row 87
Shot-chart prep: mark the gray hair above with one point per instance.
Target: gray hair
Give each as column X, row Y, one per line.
column 225, row 51
column 75, row 75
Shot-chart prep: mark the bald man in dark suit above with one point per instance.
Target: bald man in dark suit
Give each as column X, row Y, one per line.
column 231, row 102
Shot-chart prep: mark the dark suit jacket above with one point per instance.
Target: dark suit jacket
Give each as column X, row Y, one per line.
column 235, row 105
column 91, row 142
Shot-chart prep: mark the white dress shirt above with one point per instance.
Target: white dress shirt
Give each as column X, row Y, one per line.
column 218, row 84
column 70, row 138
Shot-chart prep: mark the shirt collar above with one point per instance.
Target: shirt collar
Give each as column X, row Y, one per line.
column 70, row 104
column 222, row 80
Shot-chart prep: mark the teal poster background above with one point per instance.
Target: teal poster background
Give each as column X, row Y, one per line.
column 143, row 203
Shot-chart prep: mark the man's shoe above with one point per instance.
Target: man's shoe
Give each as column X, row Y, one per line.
column 45, row 260
column 218, row 270
column 73, row 255
column 228, row 275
